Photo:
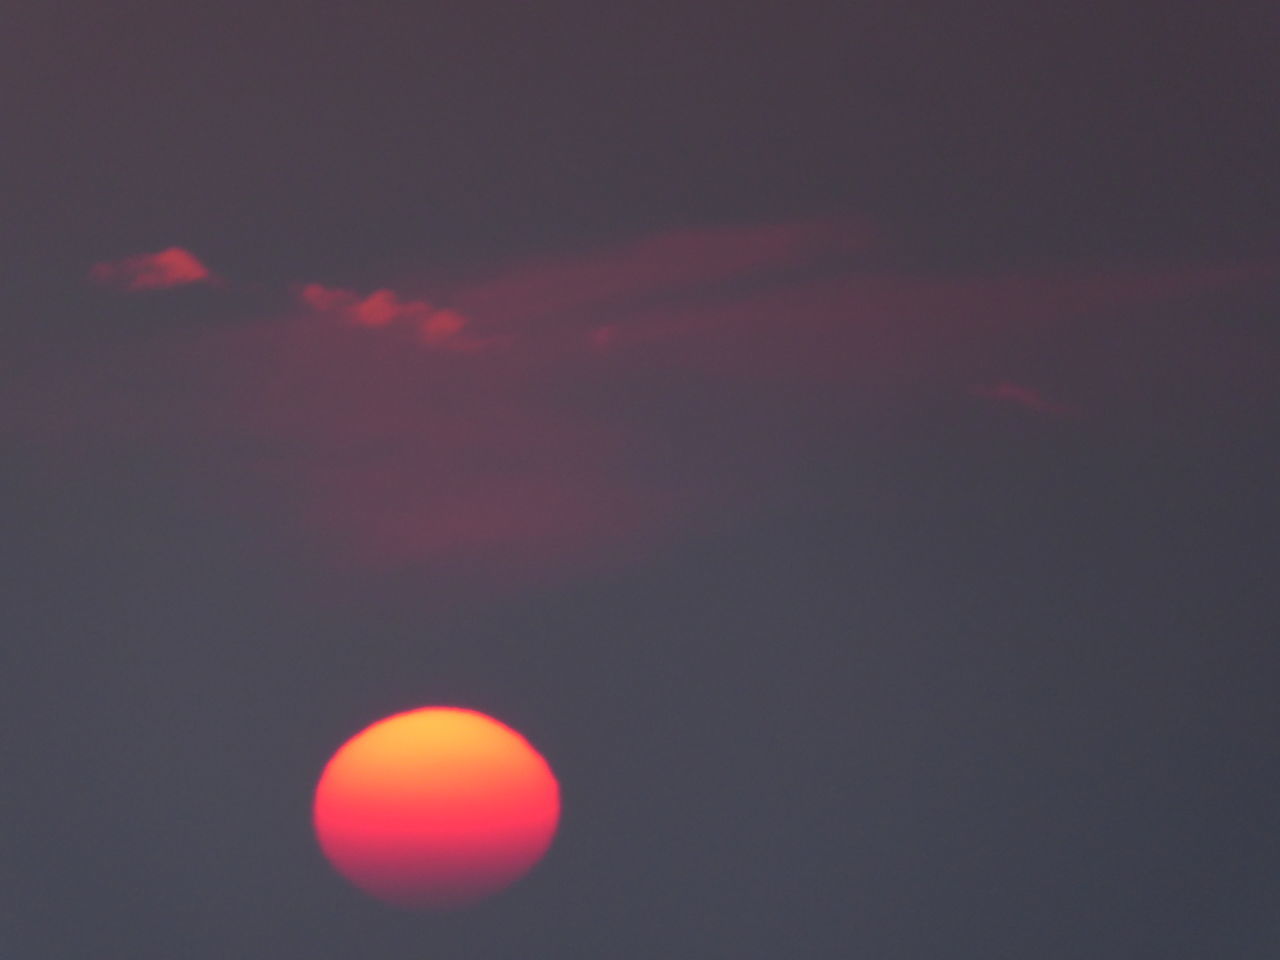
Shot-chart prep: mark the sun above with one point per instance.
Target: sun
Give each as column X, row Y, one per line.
column 436, row 808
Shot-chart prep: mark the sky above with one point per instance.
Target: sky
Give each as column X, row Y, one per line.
column 839, row 436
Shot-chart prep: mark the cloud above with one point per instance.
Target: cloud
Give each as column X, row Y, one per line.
column 384, row 308
column 1006, row 391
column 556, row 291
column 174, row 267
column 643, row 392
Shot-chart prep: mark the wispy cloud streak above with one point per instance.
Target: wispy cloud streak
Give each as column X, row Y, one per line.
column 641, row 391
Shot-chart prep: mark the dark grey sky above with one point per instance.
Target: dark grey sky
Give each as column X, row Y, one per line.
column 838, row 436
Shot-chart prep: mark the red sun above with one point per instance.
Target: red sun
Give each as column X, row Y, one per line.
column 436, row 808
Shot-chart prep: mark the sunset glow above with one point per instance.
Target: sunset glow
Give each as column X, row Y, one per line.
column 436, row 808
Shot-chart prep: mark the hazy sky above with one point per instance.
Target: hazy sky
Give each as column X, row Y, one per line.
column 839, row 436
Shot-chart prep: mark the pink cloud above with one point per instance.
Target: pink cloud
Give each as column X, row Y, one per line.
column 381, row 308
column 1006, row 391
column 385, row 308
column 644, row 391
column 556, row 289
column 174, row 267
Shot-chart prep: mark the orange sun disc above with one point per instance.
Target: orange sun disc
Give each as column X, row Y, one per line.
column 436, row 808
